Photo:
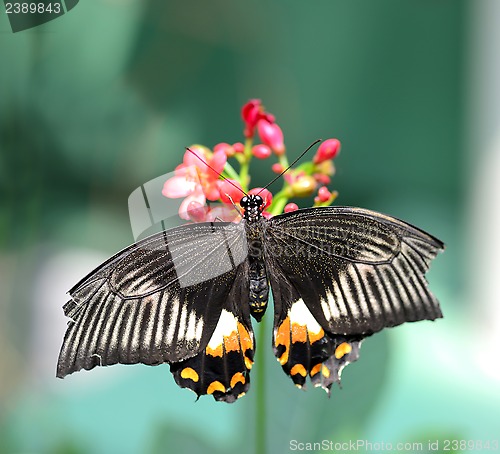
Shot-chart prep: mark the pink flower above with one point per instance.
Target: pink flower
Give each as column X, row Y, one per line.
column 196, row 211
column 230, row 193
column 261, row 151
column 195, row 180
column 223, row 213
column 271, row 135
column 190, row 206
column 329, row 149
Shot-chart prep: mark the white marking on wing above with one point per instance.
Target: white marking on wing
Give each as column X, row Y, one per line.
column 191, row 327
column 181, row 330
column 225, row 326
column 300, row 314
column 174, row 311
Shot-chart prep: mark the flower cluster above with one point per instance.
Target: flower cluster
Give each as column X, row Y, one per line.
column 208, row 175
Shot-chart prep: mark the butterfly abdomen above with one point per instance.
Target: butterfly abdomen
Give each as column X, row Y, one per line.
column 259, row 285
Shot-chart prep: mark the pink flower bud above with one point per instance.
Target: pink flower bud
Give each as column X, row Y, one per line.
column 277, row 168
column 329, row 149
column 238, row 147
column 250, row 113
column 261, row 151
column 225, row 147
column 271, row 135
column 322, row 178
column 228, row 192
column 289, row 207
column 264, row 193
column 323, row 194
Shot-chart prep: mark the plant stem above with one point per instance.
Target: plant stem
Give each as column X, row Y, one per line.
column 260, row 400
column 231, row 173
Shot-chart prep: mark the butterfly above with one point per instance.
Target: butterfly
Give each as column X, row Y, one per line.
column 185, row 296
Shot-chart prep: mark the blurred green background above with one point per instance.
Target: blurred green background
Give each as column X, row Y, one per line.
column 103, row 99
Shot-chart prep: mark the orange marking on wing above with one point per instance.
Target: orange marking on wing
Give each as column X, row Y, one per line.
column 189, row 373
column 214, row 352
column 248, row 362
column 325, row 371
column 315, row 369
column 299, row 333
column 298, row 369
column 283, row 338
column 283, row 333
column 283, row 359
column 215, row 386
column 313, row 337
column 245, row 338
column 343, row 349
column 238, row 377
column 231, row 342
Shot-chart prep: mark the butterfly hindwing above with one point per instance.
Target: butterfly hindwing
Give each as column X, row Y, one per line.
column 350, row 272
column 301, row 345
column 160, row 300
column 222, row 368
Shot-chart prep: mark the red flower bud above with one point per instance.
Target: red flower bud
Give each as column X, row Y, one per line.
column 264, row 193
column 225, row 147
column 322, row 178
column 277, row 168
column 329, row 149
column 261, row 151
column 291, row 207
column 238, row 147
column 250, row 113
column 229, row 193
column 323, row 194
column 271, row 135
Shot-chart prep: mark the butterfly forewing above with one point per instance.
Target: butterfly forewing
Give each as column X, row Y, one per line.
column 160, row 300
column 358, row 271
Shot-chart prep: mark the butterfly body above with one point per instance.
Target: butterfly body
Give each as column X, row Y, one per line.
column 185, row 296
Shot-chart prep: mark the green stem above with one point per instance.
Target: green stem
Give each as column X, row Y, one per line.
column 279, row 205
column 230, row 172
column 260, row 399
column 279, row 201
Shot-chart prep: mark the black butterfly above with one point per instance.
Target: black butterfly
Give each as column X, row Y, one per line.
column 185, row 296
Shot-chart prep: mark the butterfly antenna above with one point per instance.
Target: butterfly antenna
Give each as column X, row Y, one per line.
column 220, row 174
column 291, row 165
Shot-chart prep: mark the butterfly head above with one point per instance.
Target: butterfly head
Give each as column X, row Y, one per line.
column 253, row 206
